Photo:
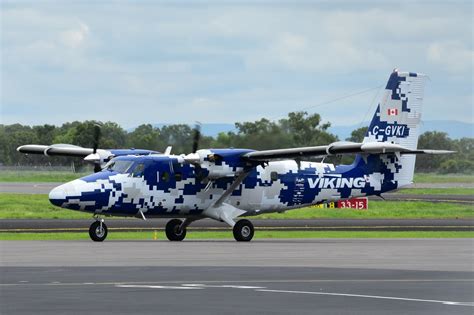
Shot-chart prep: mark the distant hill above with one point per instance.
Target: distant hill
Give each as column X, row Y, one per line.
column 455, row 129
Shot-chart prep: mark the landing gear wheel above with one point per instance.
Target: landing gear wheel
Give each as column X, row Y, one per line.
column 243, row 231
column 98, row 231
column 173, row 231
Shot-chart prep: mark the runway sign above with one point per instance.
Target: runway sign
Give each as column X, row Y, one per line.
column 354, row 203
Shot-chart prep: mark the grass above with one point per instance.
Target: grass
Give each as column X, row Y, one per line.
column 437, row 191
column 443, row 178
column 382, row 209
column 228, row 235
column 23, row 206
column 39, row 176
column 18, row 206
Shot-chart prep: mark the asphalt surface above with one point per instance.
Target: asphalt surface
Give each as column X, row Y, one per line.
column 344, row 276
column 56, row 225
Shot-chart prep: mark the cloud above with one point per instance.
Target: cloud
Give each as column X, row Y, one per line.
column 298, row 53
column 453, row 56
column 73, row 38
column 236, row 62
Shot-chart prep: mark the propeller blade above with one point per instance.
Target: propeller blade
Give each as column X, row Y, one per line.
column 96, row 138
column 196, row 137
column 97, row 167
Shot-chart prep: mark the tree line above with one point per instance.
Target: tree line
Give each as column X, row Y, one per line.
column 297, row 129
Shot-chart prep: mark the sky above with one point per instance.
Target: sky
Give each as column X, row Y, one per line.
column 135, row 62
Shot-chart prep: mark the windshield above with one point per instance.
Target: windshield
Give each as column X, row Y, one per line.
column 119, row 166
column 137, row 170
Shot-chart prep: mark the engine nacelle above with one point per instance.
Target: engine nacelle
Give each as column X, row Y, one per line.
column 219, row 162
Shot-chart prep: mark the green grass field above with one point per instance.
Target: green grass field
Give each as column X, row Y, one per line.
column 193, row 235
column 23, row 206
column 437, row 191
column 443, row 178
column 17, row 206
column 382, row 209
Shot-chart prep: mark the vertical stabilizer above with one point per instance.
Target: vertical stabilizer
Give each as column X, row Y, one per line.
column 397, row 119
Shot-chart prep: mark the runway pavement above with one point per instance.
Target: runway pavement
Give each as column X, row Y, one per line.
column 344, row 276
column 56, row 225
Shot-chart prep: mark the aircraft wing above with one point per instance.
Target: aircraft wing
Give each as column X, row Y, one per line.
column 55, row 150
column 336, row 148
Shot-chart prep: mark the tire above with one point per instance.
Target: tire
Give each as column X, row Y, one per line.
column 172, row 230
column 243, row 231
column 96, row 233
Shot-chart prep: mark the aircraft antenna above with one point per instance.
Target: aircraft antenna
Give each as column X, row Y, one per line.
column 335, row 99
column 370, row 106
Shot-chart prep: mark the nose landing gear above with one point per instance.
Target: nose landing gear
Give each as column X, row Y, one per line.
column 98, row 230
column 175, row 231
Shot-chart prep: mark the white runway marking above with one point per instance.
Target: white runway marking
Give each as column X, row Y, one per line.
column 263, row 289
column 368, row 296
column 221, row 286
column 158, row 287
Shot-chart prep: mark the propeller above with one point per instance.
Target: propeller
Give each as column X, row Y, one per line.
column 196, row 136
column 193, row 156
column 97, row 134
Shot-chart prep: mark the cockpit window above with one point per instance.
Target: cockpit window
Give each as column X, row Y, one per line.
column 119, row 166
column 138, row 170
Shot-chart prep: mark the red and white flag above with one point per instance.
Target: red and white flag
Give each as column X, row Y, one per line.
column 393, row 111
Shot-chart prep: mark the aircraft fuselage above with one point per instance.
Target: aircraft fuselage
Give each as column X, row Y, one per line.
column 164, row 187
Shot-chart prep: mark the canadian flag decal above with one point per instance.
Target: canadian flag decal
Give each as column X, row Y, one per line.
column 393, row 111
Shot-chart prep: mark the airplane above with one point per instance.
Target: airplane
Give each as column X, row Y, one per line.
column 228, row 184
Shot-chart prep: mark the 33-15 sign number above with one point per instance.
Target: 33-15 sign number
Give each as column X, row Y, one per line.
column 354, row 203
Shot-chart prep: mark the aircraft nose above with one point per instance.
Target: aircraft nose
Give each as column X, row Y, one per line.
column 57, row 196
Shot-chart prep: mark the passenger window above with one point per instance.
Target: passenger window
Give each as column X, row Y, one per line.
column 165, row 176
column 274, row 176
column 178, row 176
column 138, row 170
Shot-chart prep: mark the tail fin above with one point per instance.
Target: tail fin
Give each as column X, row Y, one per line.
column 397, row 119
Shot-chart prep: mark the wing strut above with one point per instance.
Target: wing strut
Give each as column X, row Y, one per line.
column 232, row 187
column 222, row 211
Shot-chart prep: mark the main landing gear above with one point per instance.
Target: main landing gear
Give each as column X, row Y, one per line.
column 98, row 230
column 176, row 230
column 243, row 230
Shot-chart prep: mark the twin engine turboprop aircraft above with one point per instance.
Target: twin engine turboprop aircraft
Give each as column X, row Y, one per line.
column 225, row 184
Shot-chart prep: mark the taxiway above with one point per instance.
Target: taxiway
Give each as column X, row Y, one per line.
column 344, row 276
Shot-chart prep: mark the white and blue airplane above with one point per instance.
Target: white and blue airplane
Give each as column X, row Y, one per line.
column 226, row 184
